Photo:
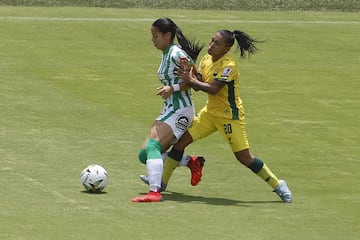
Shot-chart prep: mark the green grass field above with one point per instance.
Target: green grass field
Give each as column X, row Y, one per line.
column 77, row 86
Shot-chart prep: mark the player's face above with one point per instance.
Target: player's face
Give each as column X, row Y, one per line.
column 160, row 40
column 217, row 46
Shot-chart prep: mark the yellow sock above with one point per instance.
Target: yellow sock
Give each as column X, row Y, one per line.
column 266, row 174
column 169, row 167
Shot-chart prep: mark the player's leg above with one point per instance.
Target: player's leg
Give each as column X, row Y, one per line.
column 175, row 156
column 142, row 152
column 258, row 167
column 234, row 133
column 160, row 134
column 179, row 121
column 202, row 126
column 183, row 163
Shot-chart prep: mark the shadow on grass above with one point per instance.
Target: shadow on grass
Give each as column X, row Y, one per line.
column 93, row 193
column 183, row 198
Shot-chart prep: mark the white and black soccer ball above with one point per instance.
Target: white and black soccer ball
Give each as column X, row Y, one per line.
column 94, row 178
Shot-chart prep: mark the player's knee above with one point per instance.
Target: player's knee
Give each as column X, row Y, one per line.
column 142, row 155
column 256, row 165
column 153, row 149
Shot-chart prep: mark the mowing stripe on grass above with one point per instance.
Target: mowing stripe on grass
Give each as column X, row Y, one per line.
column 41, row 186
column 183, row 20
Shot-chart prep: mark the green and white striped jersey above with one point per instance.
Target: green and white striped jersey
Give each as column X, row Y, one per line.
column 167, row 76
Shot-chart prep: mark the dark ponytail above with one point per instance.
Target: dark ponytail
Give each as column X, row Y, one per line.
column 192, row 48
column 244, row 42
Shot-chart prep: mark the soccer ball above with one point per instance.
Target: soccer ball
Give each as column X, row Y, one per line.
column 94, row 178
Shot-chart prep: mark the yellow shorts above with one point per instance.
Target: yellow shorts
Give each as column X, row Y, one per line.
column 233, row 131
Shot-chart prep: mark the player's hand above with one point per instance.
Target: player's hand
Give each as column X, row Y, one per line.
column 188, row 75
column 184, row 64
column 164, row 91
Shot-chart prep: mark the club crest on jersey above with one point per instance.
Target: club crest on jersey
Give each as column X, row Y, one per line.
column 226, row 72
column 182, row 122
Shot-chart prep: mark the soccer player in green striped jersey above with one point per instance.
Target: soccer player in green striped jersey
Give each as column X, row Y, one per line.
column 178, row 110
column 218, row 76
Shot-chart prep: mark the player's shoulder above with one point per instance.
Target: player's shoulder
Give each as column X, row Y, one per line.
column 206, row 58
column 228, row 60
column 176, row 51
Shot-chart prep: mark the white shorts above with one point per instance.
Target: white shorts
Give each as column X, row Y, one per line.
column 179, row 120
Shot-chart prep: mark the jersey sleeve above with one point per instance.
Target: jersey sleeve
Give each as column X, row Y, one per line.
column 180, row 54
column 227, row 73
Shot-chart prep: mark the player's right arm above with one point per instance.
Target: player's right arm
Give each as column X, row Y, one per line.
column 166, row 91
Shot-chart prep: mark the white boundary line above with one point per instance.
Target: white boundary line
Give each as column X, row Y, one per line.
column 180, row 20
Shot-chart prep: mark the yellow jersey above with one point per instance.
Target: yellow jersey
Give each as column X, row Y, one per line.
column 226, row 103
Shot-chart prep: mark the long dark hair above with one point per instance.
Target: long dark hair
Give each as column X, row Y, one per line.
column 191, row 47
column 244, row 42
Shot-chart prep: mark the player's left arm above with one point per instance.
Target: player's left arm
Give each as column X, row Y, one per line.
column 209, row 87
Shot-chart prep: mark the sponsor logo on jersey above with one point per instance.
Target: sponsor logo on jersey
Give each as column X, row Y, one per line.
column 226, row 72
column 182, row 122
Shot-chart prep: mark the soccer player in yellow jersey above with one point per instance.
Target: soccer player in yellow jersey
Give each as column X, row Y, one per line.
column 218, row 76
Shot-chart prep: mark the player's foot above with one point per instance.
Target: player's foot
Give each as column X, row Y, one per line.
column 145, row 180
column 196, row 164
column 163, row 187
column 149, row 197
column 283, row 191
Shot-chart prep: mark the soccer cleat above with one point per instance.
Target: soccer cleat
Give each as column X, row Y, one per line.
column 283, row 191
column 163, row 187
column 149, row 197
column 145, row 180
column 196, row 164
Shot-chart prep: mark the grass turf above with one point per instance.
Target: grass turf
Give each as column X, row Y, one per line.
column 75, row 92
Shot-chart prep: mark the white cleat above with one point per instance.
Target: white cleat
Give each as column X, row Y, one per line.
column 283, row 191
column 145, row 180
